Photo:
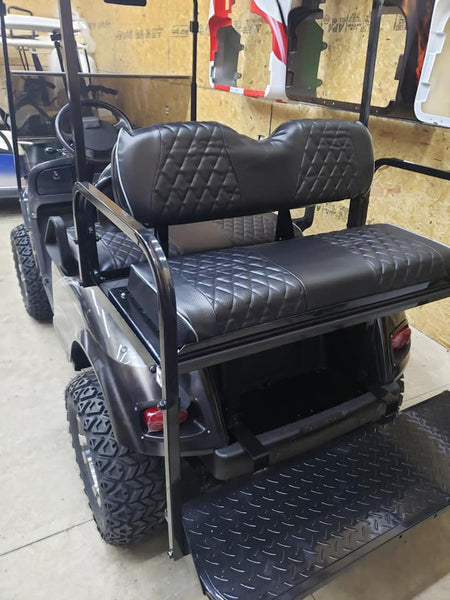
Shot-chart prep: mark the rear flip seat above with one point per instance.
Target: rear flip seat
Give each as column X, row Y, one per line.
column 188, row 172
column 223, row 291
column 117, row 251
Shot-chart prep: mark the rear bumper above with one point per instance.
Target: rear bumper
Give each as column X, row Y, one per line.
column 297, row 438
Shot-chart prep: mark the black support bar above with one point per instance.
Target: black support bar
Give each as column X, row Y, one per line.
column 194, row 31
column 73, row 87
column 371, row 58
column 357, row 213
column 413, row 167
column 167, row 319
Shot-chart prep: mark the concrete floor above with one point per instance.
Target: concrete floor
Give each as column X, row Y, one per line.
column 49, row 546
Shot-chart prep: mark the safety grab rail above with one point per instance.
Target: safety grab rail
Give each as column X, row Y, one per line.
column 412, row 166
column 167, row 319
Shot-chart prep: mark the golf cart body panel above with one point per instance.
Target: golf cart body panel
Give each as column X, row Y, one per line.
column 88, row 327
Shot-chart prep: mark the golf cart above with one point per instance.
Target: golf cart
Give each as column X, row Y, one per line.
column 239, row 380
column 8, row 185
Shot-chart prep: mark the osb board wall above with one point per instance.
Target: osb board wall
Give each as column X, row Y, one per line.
column 136, row 98
column 253, row 67
column 345, row 32
column 156, row 39
column 153, row 39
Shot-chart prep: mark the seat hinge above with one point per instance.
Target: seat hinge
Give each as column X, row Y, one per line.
column 252, row 446
column 391, row 395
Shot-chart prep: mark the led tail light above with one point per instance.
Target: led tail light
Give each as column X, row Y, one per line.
column 153, row 418
column 401, row 339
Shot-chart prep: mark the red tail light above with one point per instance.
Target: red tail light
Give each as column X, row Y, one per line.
column 401, row 338
column 153, row 418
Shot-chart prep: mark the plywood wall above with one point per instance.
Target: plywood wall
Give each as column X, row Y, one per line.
column 156, row 39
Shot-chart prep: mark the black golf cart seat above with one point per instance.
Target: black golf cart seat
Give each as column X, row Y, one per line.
column 117, row 251
column 172, row 174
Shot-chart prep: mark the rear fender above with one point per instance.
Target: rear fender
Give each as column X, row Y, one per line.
column 93, row 334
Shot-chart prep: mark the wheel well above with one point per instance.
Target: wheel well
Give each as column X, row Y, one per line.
column 79, row 357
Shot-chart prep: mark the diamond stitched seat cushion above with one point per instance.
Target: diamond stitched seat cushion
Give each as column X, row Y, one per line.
column 117, row 251
column 222, row 291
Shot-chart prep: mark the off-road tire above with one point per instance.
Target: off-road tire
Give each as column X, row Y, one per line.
column 30, row 282
column 129, row 499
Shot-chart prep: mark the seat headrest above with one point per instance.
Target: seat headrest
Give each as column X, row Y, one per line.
column 198, row 171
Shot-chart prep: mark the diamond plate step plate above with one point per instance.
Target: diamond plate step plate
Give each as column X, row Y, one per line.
column 285, row 532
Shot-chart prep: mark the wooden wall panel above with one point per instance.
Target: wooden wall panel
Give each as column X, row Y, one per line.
column 179, row 15
column 138, row 100
column 152, row 39
column 100, row 17
column 142, row 38
column 253, row 66
column 341, row 69
column 247, row 115
column 203, row 44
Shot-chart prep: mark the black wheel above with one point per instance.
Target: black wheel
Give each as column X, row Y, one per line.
column 30, row 282
column 126, row 490
column 401, row 383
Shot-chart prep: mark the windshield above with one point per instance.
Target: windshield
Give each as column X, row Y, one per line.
column 39, row 96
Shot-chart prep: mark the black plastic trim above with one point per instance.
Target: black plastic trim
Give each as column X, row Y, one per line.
column 298, row 437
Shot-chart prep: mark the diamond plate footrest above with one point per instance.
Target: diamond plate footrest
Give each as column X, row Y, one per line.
column 285, row 532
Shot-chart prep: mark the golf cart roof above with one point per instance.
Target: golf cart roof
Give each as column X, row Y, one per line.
column 31, row 23
column 35, row 44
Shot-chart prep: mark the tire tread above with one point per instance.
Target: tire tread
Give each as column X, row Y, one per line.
column 131, row 485
column 35, row 299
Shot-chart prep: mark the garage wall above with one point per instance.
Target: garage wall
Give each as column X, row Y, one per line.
column 156, row 39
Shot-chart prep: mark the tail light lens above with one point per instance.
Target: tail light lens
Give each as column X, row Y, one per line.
column 401, row 339
column 153, row 418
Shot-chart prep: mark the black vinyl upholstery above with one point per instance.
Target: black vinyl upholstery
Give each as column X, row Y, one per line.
column 117, row 251
column 223, row 291
column 176, row 173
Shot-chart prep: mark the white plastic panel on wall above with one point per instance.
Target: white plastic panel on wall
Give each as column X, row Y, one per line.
column 275, row 15
column 432, row 103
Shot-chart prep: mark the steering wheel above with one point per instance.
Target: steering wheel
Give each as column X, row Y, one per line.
column 99, row 135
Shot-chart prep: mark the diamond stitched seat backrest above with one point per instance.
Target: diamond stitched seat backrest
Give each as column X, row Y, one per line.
column 336, row 162
column 177, row 173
